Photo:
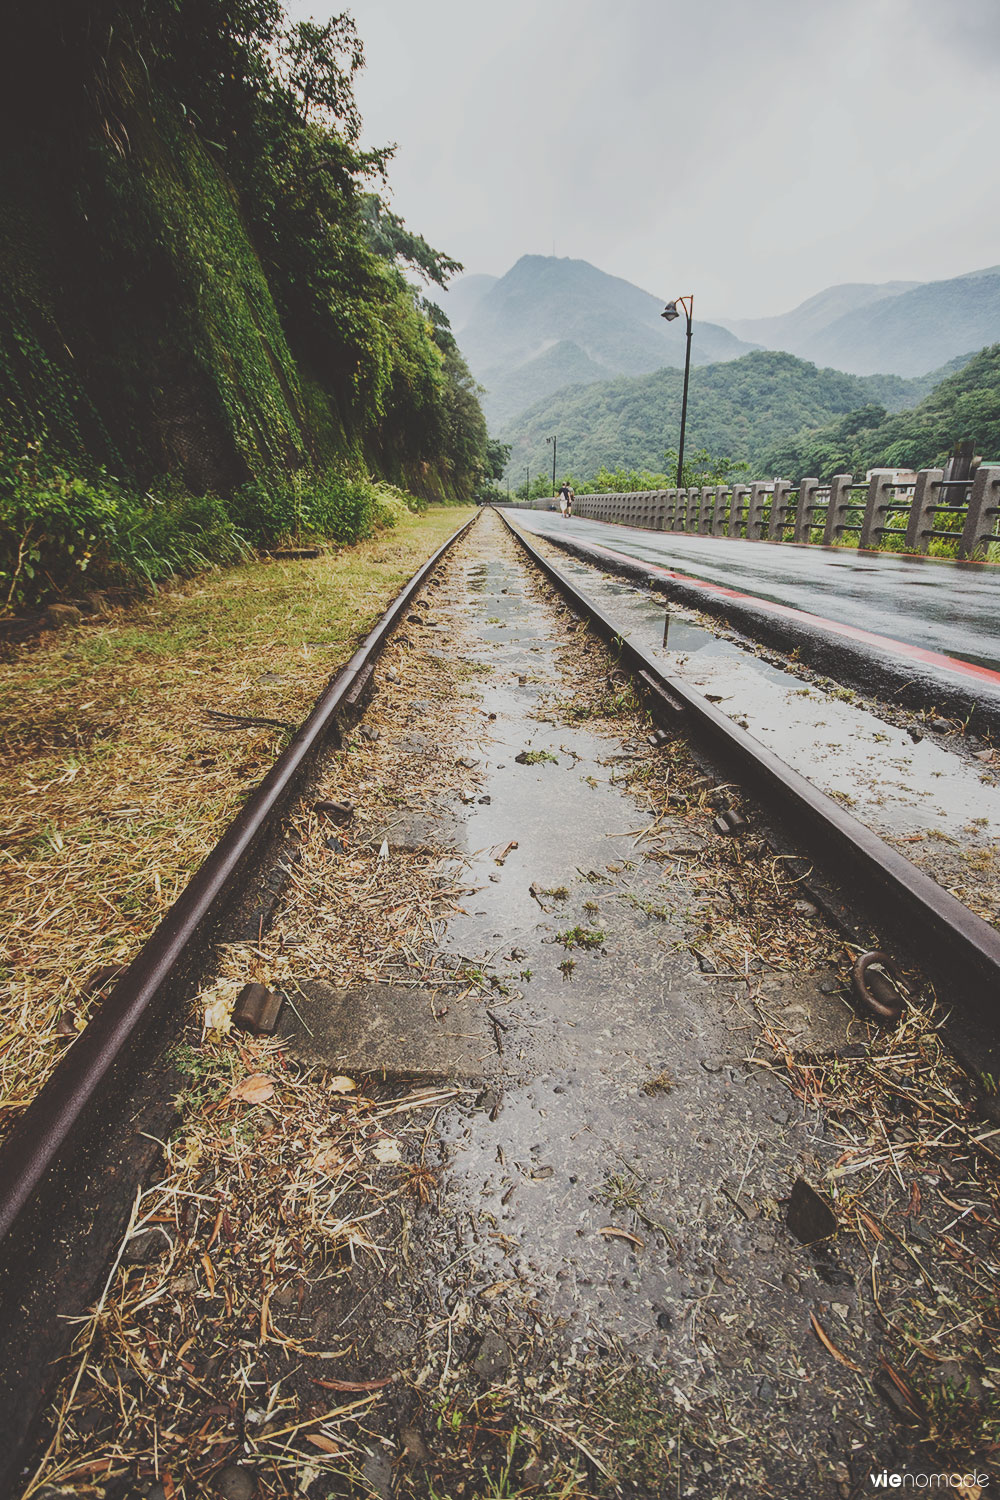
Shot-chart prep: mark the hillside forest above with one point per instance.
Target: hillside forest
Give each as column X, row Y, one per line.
column 213, row 333
column 768, row 412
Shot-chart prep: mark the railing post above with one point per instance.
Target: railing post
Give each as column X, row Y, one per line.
column 878, row 498
column 720, row 510
column 984, row 502
column 840, row 504
column 755, row 515
column 740, row 492
column 804, row 509
column 659, row 509
column 694, row 509
column 921, row 516
column 706, row 509
column 779, row 505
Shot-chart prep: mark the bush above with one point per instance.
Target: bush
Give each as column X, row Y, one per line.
column 59, row 529
column 312, row 504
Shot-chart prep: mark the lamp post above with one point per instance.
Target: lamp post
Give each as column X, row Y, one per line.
column 670, row 313
column 527, row 484
column 553, row 442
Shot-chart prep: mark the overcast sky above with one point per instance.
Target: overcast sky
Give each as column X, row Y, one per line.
column 750, row 151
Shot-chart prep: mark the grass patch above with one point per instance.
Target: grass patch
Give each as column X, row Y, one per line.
column 113, row 783
column 581, row 937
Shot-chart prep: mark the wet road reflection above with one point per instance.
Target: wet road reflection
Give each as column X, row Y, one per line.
column 940, row 606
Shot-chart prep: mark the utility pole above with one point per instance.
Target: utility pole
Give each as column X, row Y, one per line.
column 553, row 442
column 527, row 484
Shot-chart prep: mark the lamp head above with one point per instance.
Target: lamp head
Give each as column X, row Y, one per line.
column 670, row 312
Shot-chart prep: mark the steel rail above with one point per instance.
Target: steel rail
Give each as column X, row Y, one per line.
column 57, row 1114
column 934, row 917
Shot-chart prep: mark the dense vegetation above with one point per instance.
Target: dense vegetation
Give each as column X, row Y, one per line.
column 742, row 408
column 202, row 293
column 964, row 405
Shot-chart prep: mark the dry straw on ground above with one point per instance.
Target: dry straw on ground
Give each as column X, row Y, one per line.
column 114, row 780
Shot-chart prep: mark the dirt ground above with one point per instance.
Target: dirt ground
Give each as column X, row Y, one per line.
column 536, row 1228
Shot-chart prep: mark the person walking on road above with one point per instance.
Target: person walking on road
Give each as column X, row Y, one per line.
column 566, row 498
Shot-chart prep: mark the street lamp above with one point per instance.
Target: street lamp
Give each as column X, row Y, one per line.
column 553, row 442
column 670, row 312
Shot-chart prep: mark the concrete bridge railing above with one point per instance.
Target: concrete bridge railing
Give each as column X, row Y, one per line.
column 874, row 512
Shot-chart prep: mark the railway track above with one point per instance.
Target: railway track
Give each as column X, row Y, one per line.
column 72, row 1161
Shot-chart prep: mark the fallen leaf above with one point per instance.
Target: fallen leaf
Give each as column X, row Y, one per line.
column 387, row 1151
column 622, row 1234
column 209, row 1272
column 341, row 1084
column 327, row 1445
column 218, row 1017
column 326, row 1159
column 497, row 1288
column 256, row 1089
column 831, row 1347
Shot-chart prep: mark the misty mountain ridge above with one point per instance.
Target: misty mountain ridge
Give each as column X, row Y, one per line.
column 898, row 327
column 551, row 321
column 792, row 331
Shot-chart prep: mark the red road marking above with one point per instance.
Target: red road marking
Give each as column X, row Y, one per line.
column 851, row 632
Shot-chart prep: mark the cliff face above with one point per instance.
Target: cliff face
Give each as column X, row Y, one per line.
column 143, row 328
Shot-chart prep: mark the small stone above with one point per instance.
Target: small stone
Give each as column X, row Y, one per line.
column 664, row 1321
column 711, row 1065
column 984, row 755
column 149, row 1245
column 59, row 615
column 810, row 1216
column 335, row 844
column 368, row 732
column 941, row 726
column 492, row 1358
column 414, row 1447
column 236, row 1483
column 805, row 909
column 791, row 1281
column 391, row 675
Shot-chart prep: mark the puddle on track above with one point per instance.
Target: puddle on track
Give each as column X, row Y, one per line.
column 601, row 1203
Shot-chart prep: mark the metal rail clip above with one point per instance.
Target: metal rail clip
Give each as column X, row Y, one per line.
column 879, row 985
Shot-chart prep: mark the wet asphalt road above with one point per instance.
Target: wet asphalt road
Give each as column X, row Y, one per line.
column 939, row 606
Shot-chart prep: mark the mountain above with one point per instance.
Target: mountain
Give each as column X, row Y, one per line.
column 965, row 404
column 794, row 331
column 903, row 328
column 550, row 321
column 742, row 409
column 917, row 330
